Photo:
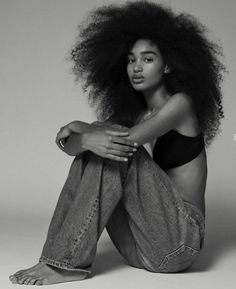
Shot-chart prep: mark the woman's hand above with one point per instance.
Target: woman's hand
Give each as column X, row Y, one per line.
column 76, row 127
column 62, row 135
column 111, row 144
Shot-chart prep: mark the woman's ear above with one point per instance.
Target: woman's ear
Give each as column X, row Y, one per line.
column 167, row 69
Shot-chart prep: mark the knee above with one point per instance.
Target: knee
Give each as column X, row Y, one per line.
column 177, row 268
column 178, row 261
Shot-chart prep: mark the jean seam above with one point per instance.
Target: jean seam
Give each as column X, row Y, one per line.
column 198, row 217
column 85, row 225
column 175, row 253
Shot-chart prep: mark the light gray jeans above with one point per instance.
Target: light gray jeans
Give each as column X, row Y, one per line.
column 144, row 214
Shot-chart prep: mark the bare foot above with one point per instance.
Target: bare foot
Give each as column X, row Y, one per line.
column 43, row 274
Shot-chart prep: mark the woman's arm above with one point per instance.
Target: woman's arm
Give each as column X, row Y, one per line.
column 70, row 138
column 84, row 136
column 78, row 126
column 80, row 136
column 169, row 116
column 75, row 128
column 73, row 145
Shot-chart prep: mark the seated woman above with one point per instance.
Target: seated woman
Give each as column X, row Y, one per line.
column 141, row 170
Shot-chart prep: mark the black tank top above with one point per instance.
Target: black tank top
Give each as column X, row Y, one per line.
column 174, row 149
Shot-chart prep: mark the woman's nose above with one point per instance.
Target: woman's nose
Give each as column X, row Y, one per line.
column 137, row 67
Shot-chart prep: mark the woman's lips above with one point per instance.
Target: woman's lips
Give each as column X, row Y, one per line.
column 137, row 79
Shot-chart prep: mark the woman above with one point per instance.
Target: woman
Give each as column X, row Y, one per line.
column 141, row 170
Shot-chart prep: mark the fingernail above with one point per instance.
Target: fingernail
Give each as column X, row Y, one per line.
column 130, row 154
column 125, row 159
column 134, row 149
column 135, row 144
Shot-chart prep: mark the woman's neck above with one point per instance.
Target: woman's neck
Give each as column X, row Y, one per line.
column 155, row 99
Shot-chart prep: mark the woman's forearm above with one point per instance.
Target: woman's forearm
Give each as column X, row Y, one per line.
column 95, row 138
column 75, row 143
column 79, row 127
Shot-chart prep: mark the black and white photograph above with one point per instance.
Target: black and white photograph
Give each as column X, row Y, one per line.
column 118, row 144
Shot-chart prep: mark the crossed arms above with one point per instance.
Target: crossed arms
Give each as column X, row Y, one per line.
column 116, row 142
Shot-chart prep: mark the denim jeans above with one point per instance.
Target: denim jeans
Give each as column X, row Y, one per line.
column 145, row 216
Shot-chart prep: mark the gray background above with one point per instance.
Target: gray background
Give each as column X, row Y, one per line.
column 38, row 96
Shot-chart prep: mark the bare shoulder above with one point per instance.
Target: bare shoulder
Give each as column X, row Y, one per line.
column 183, row 99
column 183, row 103
column 189, row 124
column 178, row 108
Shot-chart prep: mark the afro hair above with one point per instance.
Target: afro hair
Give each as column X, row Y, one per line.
column 100, row 51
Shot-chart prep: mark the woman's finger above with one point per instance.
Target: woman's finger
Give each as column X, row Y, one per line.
column 62, row 143
column 119, row 153
column 59, row 143
column 122, row 148
column 116, row 158
column 122, row 141
column 104, row 152
column 118, row 126
column 117, row 133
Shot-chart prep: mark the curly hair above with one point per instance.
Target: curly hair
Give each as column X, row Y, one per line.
column 99, row 58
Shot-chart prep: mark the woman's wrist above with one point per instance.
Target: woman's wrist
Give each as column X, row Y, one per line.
column 85, row 140
column 74, row 144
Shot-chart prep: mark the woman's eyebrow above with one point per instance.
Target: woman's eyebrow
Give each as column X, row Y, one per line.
column 144, row 52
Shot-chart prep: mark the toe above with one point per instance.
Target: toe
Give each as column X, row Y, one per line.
column 39, row 282
column 26, row 282
column 26, row 271
column 32, row 281
column 22, row 280
column 12, row 278
column 20, row 273
column 21, row 276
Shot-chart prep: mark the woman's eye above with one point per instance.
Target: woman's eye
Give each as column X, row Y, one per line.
column 130, row 60
column 148, row 59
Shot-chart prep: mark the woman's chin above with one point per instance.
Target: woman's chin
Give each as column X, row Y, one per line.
column 138, row 86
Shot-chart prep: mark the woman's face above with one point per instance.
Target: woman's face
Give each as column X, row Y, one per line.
column 145, row 66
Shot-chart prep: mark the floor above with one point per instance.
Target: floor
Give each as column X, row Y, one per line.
column 22, row 239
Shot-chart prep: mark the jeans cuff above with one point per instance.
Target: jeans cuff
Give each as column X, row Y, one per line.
column 63, row 265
